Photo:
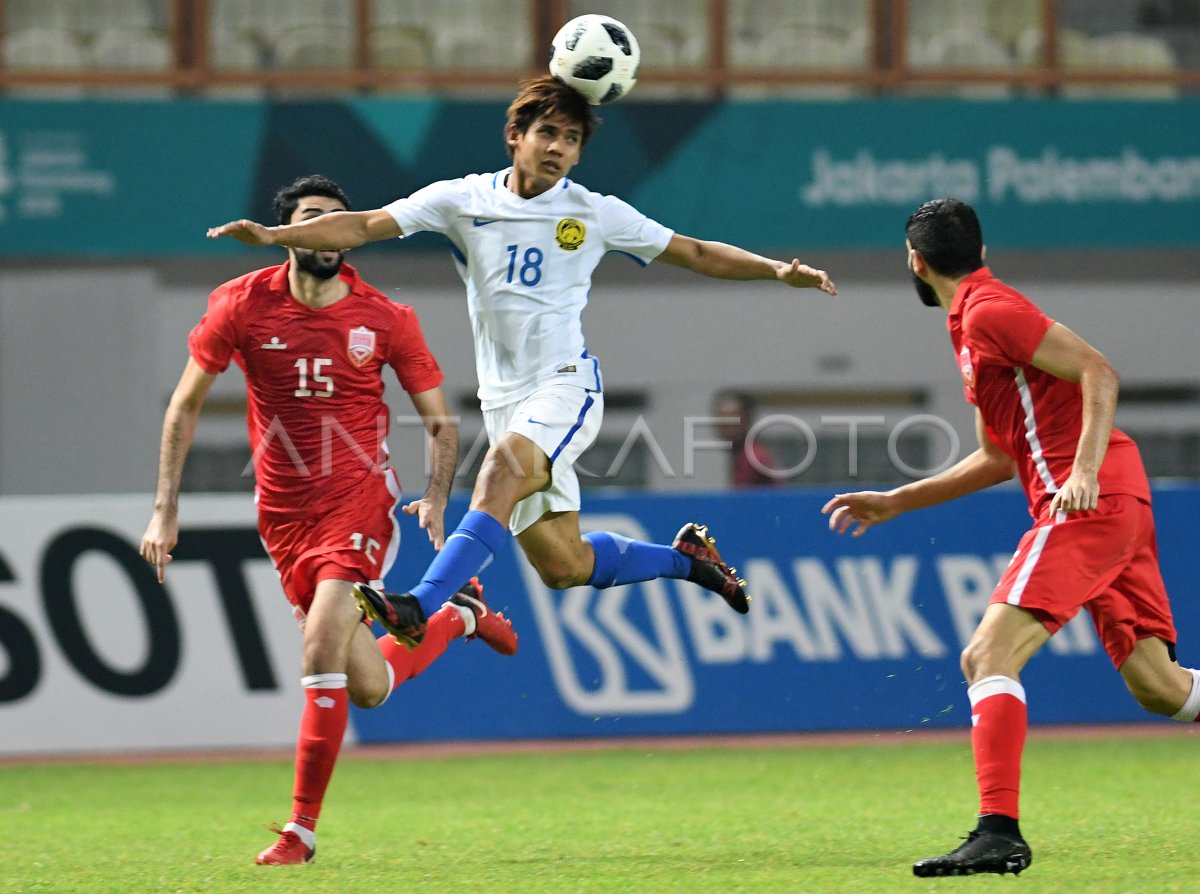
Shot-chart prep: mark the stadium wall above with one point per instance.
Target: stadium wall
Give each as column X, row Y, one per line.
column 88, row 357
column 843, row 633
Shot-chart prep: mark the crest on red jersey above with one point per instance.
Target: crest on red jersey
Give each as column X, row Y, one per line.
column 361, row 347
column 967, row 368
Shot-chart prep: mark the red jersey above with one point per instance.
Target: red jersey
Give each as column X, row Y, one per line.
column 747, row 473
column 314, row 382
column 1031, row 415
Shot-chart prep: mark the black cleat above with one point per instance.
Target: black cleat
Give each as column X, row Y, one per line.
column 981, row 852
column 401, row 616
column 707, row 568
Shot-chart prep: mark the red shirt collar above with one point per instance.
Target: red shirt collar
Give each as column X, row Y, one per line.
column 279, row 279
column 969, row 282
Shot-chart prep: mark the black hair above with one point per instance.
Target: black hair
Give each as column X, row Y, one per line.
column 547, row 95
column 947, row 234
column 289, row 197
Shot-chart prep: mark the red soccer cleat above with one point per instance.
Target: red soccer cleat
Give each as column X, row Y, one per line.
column 287, row 849
column 491, row 627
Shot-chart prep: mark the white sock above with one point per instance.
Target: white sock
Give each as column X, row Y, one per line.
column 308, row 836
column 1191, row 708
column 468, row 617
column 324, row 681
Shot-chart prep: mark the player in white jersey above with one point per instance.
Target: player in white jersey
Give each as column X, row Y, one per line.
column 527, row 264
column 526, row 241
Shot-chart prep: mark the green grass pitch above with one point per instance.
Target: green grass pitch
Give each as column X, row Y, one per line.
column 1113, row 815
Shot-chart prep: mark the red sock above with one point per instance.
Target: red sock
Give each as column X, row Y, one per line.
column 446, row 624
column 998, row 723
column 322, row 726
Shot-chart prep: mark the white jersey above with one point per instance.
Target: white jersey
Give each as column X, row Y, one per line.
column 527, row 265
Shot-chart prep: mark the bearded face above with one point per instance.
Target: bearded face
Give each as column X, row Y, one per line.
column 925, row 291
column 319, row 264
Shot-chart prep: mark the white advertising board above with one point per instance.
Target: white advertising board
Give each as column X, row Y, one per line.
column 95, row 655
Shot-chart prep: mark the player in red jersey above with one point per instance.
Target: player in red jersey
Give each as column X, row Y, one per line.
column 1045, row 401
column 750, row 461
column 313, row 340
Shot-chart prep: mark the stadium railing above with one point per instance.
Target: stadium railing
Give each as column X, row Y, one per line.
column 705, row 47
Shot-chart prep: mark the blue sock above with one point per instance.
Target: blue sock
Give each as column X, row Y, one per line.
column 466, row 552
column 620, row 560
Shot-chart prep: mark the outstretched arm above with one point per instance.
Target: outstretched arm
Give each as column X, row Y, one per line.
column 330, row 232
column 179, row 426
column 722, row 261
column 986, row 466
column 443, row 451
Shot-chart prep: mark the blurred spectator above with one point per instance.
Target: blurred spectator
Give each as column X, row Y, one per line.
column 748, row 458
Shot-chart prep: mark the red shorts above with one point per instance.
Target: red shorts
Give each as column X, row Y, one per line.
column 1104, row 560
column 355, row 540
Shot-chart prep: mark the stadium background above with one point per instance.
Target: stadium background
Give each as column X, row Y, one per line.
column 809, row 128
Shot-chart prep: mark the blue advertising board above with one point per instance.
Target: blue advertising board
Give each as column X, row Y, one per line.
column 843, row 634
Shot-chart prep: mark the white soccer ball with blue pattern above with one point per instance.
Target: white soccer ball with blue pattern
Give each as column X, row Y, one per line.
column 598, row 56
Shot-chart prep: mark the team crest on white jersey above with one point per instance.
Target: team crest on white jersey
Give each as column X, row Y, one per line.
column 570, row 233
column 361, row 347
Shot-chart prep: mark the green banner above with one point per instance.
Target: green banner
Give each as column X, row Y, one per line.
column 1042, row 174
column 143, row 178
column 111, row 179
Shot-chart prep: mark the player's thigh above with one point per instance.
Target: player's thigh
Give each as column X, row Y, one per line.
column 554, row 546
column 515, row 467
column 1006, row 638
column 1154, row 678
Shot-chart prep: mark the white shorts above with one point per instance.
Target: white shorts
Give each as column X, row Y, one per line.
column 563, row 420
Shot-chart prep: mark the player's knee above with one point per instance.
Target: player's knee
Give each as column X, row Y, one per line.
column 982, row 659
column 968, row 660
column 502, row 471
column 559, row 574
column 562, row 578
column 504, row 480
column 321, row 657
column 367, row 697
column 987, row 657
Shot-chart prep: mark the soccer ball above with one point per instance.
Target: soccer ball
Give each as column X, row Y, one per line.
column 596, row 55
